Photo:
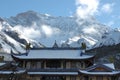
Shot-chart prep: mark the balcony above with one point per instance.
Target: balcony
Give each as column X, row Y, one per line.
column 52, row 71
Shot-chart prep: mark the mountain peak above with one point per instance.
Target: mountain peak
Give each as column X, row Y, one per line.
column 1, row 20
column 44, row 28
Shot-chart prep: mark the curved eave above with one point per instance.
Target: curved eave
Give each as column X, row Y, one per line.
column 5, row 64
column 16, row 57
column 12, row 72
column 2, row 65
column 100, row 73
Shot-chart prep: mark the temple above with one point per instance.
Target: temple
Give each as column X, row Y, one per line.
column 62, row 64
column 54, row 63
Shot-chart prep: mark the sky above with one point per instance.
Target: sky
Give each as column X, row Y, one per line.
column 105, row 11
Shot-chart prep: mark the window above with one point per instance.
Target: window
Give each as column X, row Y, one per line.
column 1, row 58
column 64, row 64
column 99, row 78
column 33, row 65
column 80, row 65
column 53, row 64
column 90, row 78
column 85, row 77
column 28, row 65
column 108, row 78
column 38, row 65
column 73, row 64
column 73, row 78
column 52, row 78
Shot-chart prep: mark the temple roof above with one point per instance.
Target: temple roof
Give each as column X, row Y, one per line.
column 55, row 45
column 54, row 54
column 9, row 68
column 100, row 69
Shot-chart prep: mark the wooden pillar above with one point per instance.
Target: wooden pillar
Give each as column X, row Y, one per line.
column 38, row 78
column 62, row 63
column 67, row 77
column 44, row 62
column 24, row 64
column 68, row 64
column 28, row 65
column 77, row 77
column 39, row 65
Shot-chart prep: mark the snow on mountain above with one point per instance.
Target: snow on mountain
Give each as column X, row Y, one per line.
column 76, row 41
column 109, row 38
column 65, row 30
column 9, row 43
column 11, row 39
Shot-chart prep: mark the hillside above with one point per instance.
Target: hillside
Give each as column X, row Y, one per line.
column 11, row 39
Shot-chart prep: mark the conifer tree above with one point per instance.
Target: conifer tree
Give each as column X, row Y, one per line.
column 83, row 45
column 28, row 46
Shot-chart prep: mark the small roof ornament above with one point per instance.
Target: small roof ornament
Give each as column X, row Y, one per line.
column 55, row 45
column 28, row 46
column 83, row 48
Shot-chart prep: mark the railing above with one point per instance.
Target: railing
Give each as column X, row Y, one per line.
column 53, row 70
column 59, row 48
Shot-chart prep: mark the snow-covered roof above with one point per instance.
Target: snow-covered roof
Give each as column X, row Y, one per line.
column 2, row 63
column 109, row 70
column 111, row 65
column 10, row 72
column 6, row 72
column 99, row 73
column 7, row 68
column 54, row 54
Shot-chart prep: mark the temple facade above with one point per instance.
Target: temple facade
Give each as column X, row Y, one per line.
column 63, row 64
column 54, row 63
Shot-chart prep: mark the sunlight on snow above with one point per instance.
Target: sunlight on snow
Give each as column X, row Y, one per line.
column 28, row 31
column 47, row 30
column 89, row 30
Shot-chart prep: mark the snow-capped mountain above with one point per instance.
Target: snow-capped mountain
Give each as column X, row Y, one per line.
column 67, row 31
column 39, row 28
column 11, row 39
column 109, row 38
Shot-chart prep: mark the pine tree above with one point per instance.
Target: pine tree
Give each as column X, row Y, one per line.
column 83, row 46
column 28, row 46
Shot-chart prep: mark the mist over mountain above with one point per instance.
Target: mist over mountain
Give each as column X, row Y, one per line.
column 67, row 31
column 42, row 30
column 11, row 39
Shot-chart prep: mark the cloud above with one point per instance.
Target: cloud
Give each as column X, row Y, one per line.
column 47, row 30
column 108, row 8
column 29, row 32
column 86, row 8
column 89, row 30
